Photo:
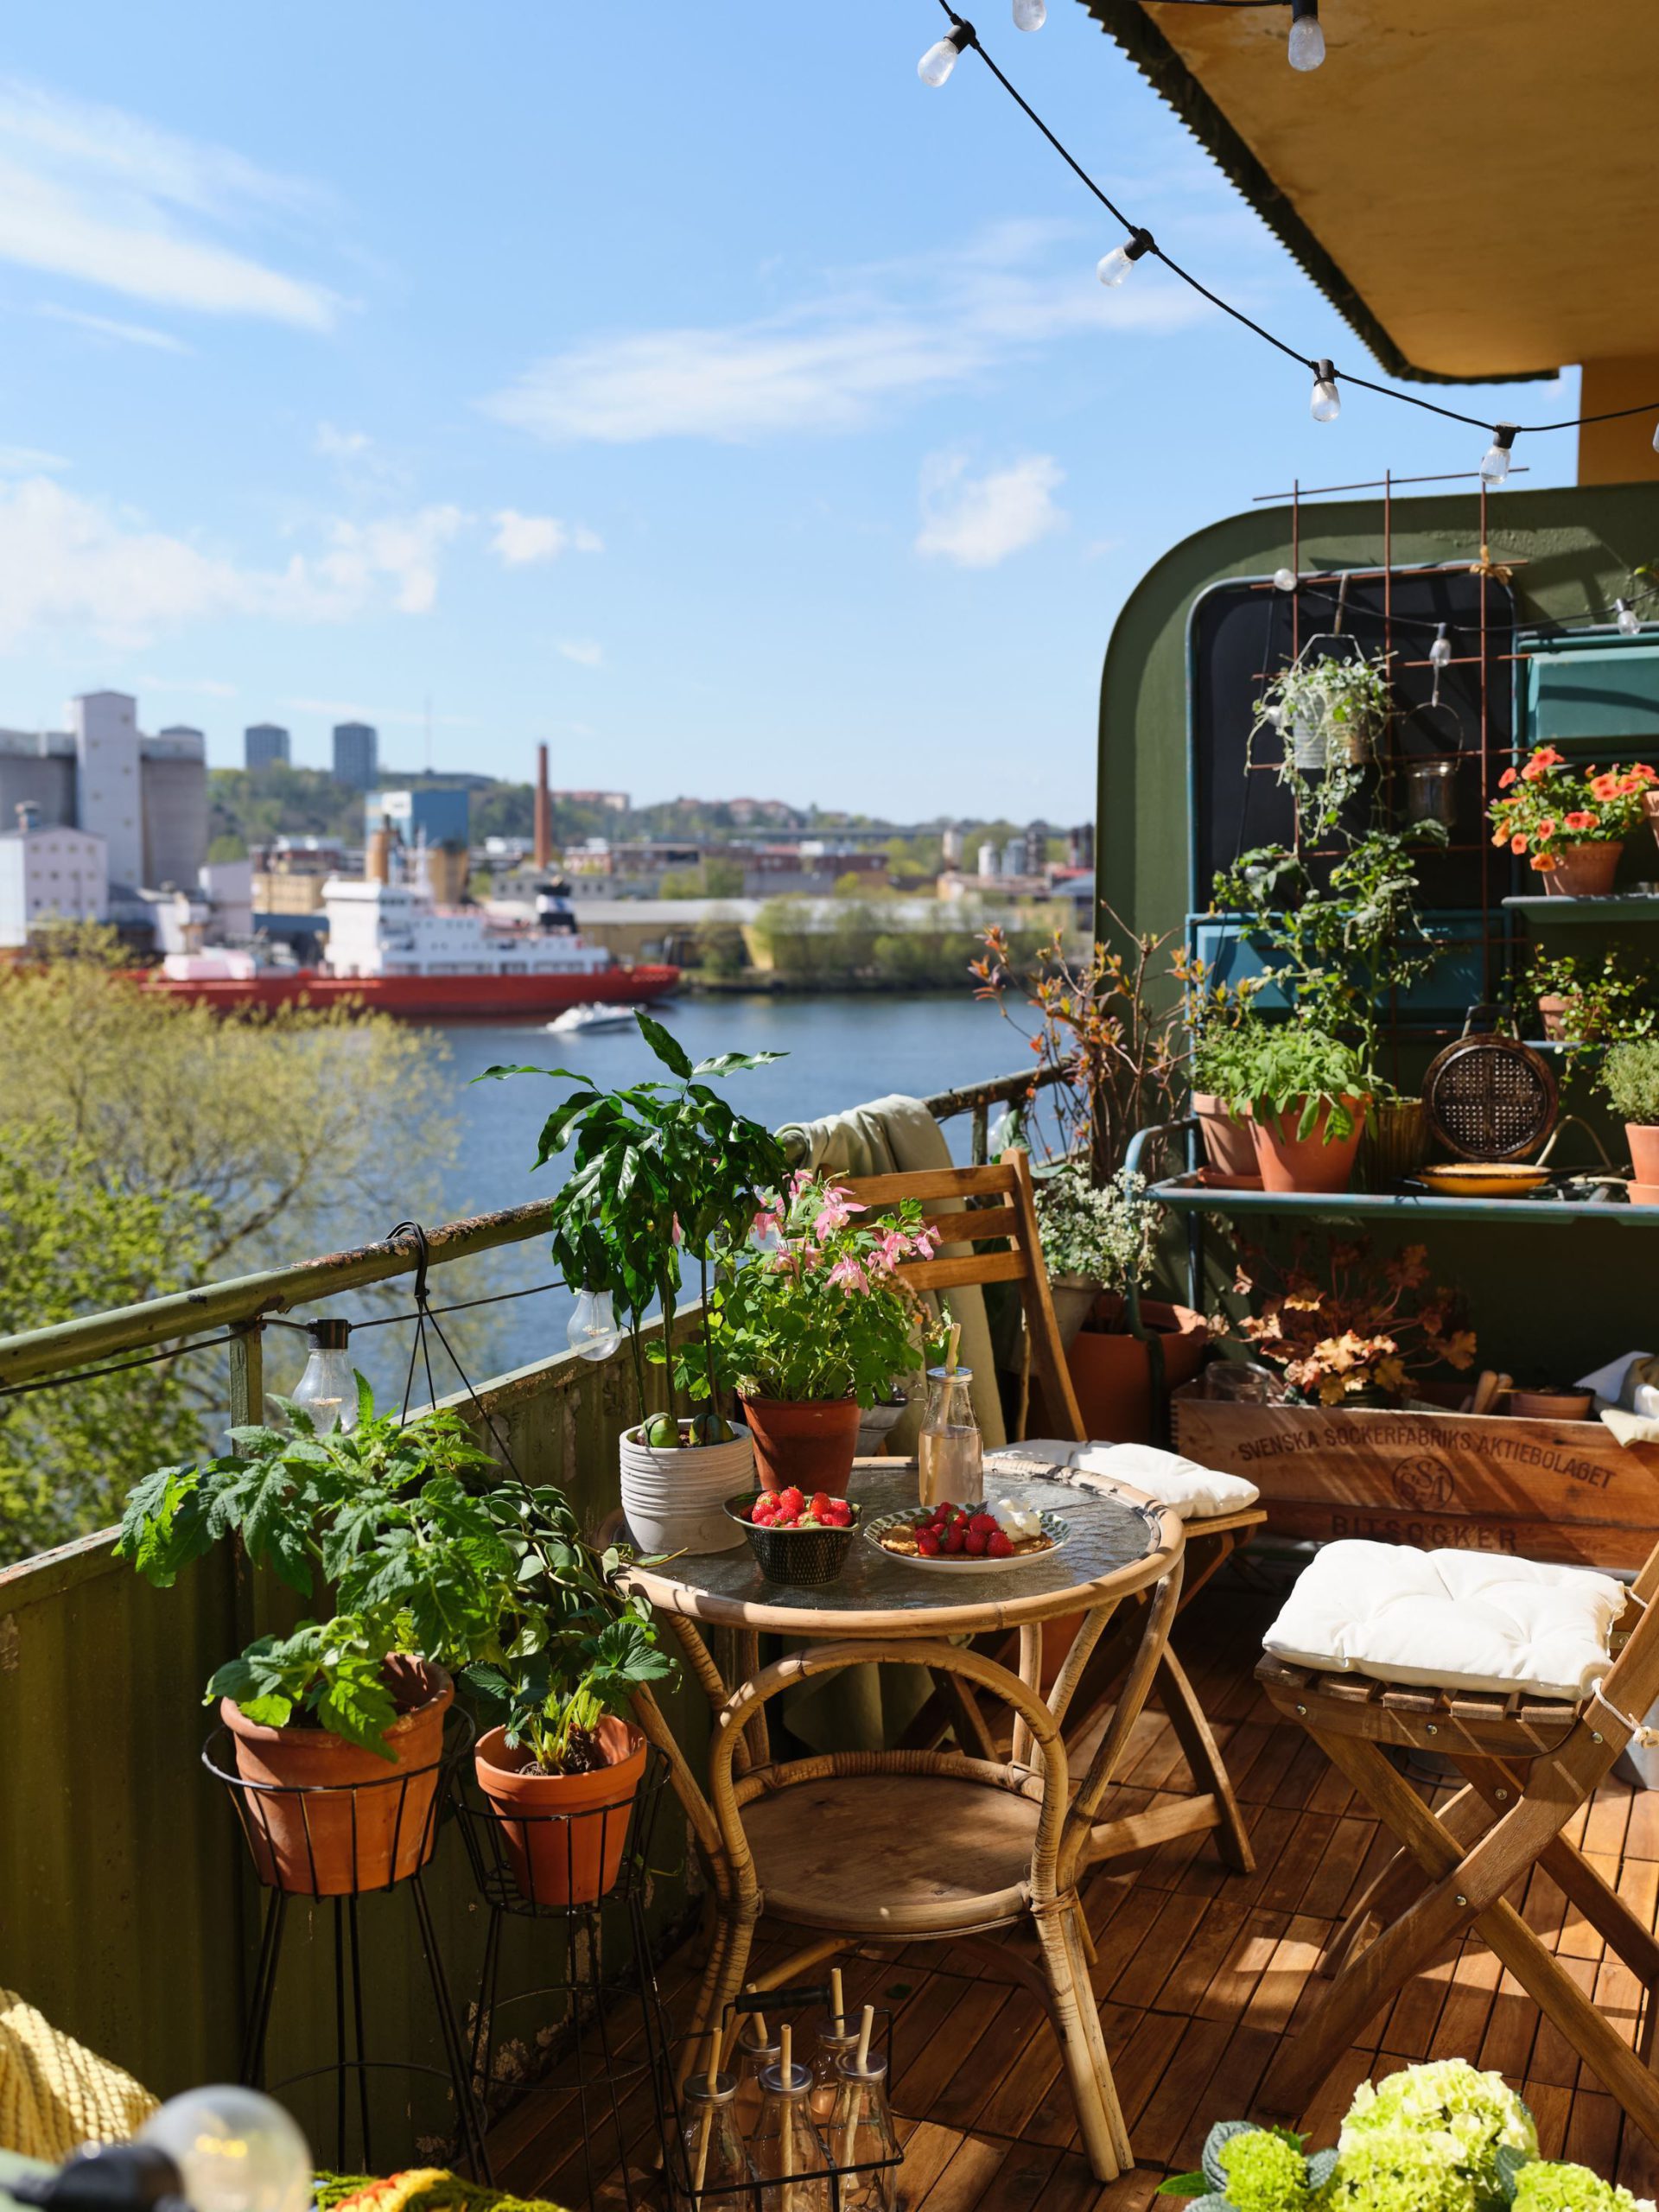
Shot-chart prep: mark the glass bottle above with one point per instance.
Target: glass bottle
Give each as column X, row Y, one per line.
column 948, row 1455
column 837, row 2041
column 756, row 2052
column 785, row 2148
column 328, row 1390
column 711, row 2144
column 861, row 2134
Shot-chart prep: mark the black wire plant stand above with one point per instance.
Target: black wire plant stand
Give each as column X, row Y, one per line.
column 582, row 1876
column 389, row 1826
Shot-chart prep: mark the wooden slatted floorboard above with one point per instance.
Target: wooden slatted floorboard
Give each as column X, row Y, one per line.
column 1199, row 1974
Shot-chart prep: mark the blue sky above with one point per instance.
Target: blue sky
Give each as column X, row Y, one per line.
column 690, row 388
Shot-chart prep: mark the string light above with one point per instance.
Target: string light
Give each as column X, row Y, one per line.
column 1306, row 47
column 1307, row 51
column 1495, row 461
column 1030, row 15
column 1327, row 400
column 1629, row 622
column 1284, row 579
column 1112, row 268
column 1439, row 653
column 940, row 59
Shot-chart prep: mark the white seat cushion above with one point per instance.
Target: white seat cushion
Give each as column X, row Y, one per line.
column 1196, row 1492
column 1433, row 1617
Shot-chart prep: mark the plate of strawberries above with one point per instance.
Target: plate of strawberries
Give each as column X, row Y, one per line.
column 951, row 1537
column 796, row 1536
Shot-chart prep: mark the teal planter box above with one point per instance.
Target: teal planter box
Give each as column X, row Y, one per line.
column 1602, row 693
column 1230, row 947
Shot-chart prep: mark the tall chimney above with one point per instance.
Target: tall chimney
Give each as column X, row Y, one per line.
column 543, row 811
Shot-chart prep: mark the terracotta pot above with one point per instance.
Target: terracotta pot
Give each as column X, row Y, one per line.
column 1550, row 1405
column 1111, row 1370
column 566, row 1848
column 1585, row 871
column 373, row 1823
column 1642, row 1194
column 811, row 1442
column 1552, row 1011
column 1288, row 1162
column 1228, row 1145
column 1643, row 1138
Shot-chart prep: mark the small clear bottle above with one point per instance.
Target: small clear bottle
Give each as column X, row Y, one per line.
column 711, row 2143
column 328, row 1390
column 859, row 2134
column 787, row 2148
column 756, row 2052
column 837, row 2041
column 949, row 1458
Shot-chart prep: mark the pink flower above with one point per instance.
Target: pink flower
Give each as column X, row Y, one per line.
column 928, row 1241
column 848, row 1275
column 799, row 1181
column 766, row 1225
column 891, row 1246
column 837, row 1209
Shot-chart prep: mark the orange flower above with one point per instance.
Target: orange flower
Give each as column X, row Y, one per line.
column 1579, row 820
column 1545, row 831
column 1604, row 787
column 1546, row 756
column 1543, row 862
column 1536, row 768
column 1628, row 783
column 1506, row 780
column 1502, row 837
column 1517, row 844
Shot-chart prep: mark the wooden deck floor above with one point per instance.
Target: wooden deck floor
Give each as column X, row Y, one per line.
column 1200, row 1974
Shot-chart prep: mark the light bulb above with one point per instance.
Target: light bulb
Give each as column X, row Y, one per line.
column 1307, row 48
column 328, row 1390
column 238, row 2151
column 1495, row 464
column 1030, row 15
column 1656, row 437
column 1629, row 622
column 1284, row 579
column 1439, row 653
column 940, row 59
column 592, row 1331
column 1327, row 400
column 1112, row 268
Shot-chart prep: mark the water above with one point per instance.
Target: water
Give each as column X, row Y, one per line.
column 842, row 1051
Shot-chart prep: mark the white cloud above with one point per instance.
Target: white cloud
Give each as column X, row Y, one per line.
column 887, row 333
column 94, row 194
column 127, row 333
column 28, row 460
column 340, row 445
column 354, row 710
column 520, row 539
column 584, row 651
column 66, row 561
column 977, row 521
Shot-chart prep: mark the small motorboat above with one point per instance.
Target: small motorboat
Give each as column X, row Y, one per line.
column 580, row 1020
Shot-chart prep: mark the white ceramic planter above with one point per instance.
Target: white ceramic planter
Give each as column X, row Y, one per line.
column 1073, row 1299
column 877, row 1422
column 675, row 1501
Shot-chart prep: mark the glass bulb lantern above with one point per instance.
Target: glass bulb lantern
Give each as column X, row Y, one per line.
column 1307, row 48
column 1494, row 463
column 1656, row 437
column 1030, row 15
column 1284, row 579
column 236, row 2150
column 940, row 59
column 591, row 1332
column 1439, row 653
column 1112, row 268
column 328, row 1390
column 1629, row 622
column 1326, row 403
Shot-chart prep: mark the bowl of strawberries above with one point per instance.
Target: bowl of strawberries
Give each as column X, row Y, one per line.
column 795, row 1538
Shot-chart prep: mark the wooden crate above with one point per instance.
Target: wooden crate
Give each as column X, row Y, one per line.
column 1544, row 1490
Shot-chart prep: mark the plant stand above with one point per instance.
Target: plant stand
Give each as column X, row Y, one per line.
column 362, row 1805
column 614, row 2092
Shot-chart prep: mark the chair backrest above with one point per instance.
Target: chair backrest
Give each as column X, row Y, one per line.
column 1011, row 1224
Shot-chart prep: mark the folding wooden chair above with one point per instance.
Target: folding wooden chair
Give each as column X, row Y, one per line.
column 1007, row 1218
column 1528, row 1765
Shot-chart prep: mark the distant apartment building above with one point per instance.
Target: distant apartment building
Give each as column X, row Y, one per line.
column 265, row 745
column 357, row 755
column 950, row 846
column 612, row 802
column 146, row 797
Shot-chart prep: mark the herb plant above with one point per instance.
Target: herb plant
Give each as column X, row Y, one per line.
column 1106, row 1235
column 1272, row 1068
column 662, row 1174
column 820, row 1311
column 1629, row 1076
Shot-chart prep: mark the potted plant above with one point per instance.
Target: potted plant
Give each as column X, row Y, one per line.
column 1329, row 711
column 812, row 1325
column 1592, row 1002
column 664, row 1174
column 1353, row 1333
column 1306, row 1095
column 1224, row 1130
column 420, row 1569
column 1571, row 823
column 564, row 1767
column 1094, row 1239
column 1629, row 1076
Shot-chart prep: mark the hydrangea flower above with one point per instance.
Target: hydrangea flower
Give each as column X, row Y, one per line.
column 1266, row 2174
column 1554, row 2185
column 1464, row 2115
column 1398, row 2169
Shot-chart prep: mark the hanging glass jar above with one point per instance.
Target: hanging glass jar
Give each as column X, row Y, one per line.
column 328, row 1390
column 785, row 2149
column 949, row 1456
column 861, row 2135
column 716, row 2159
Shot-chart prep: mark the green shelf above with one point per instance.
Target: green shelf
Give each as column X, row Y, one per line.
column 1184, row 1196
column 1617, row 907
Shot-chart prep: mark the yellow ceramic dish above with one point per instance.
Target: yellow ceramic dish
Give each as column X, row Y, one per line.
column 1482, row 1178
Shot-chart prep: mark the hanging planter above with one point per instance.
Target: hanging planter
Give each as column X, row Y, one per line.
column 1330, row 709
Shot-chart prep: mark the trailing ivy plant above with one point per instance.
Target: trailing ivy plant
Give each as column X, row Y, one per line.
column 662, row 1173
column 1345, row 702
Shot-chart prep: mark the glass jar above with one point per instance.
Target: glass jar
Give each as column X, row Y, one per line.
column 711, row 2143
column 836, row 2042
column 861, row 2134
column 327, row 1388
column 785, row 2149
column 756, row 2052
column 949, row 1458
